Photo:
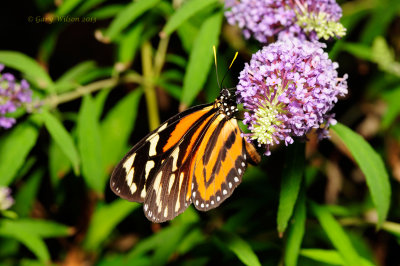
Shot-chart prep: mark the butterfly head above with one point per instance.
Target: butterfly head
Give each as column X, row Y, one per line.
column 227, row 103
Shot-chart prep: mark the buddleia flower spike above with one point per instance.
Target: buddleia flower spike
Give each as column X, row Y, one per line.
column 289, row 87
column 304, row 19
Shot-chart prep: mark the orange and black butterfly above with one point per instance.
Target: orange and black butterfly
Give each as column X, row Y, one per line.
column 198, row 156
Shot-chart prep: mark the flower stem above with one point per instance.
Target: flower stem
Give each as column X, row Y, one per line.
column 149, row 89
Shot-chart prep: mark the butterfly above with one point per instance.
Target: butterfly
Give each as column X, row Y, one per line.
column 198, row 156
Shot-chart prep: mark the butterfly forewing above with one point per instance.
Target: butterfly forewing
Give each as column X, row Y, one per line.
column 134, row 174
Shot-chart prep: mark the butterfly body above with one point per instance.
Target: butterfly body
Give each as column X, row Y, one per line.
column 198, row 156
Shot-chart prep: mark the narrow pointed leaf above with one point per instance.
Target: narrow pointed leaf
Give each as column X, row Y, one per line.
column 201, row 58
column 31, row 240
column 62, row 138
column 14, row 148
column 296, row 231
column 290, row 185
column 105, row 219
column 89, row 141
column 116, row 128
column 127, row 16
column 34, row 72
column 336, row 235
column 371, row 164
column 239, row 247
column 189, row 9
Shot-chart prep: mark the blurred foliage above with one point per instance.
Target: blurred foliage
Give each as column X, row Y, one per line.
column 107, row 72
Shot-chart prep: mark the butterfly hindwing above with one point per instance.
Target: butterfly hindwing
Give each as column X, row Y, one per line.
column 170, row 193
column 219, row 165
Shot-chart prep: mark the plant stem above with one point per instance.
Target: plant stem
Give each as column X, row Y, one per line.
column 149, row 89
column 54, row 100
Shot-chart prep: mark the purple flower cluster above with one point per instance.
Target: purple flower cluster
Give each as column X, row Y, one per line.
column 6, row 201
column 12, row 96
column 261, row 19
column 289, row 87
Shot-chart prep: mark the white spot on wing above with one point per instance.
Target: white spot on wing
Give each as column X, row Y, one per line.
column 224, row 192
column 240, row 171
column 243, row 164
column 171, row 182
column 230, row 185
column 162, row 127
column 129, row 162
column 218, row 198
column 143, row 193
column 202, row 205
column 236, row 179
column 175, row 156
column 133, row 188
column 157, row 188
column 197, row 202
column 129, row 176
column 149, row 166
column 166, row 212
column 212, row 202
column 153, row 145
column 146, row 207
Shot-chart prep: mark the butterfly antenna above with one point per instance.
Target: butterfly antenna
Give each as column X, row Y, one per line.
column 216, row 65
column 233, row 60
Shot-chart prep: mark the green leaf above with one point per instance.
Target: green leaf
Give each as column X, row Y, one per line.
column 393, row 107
column 105, row 219
column 127, row 16
column 164, row 243
column 329, row 256
column 14, row 148
column 296, row 231
column 290, row 185
column 100, row 100
column 200, row 59
column 34, row 72
column 30, row 239
column 42, row 228
column 189, row 9
column 59, row 165
column 336, row 235
column 63, row 139
column 117, row 126
column 129, row 44
column 372, row 166
column 67, row 6
column 358, row 50
column 89, row 144
column 69, row 79
column 106, row 12
column 239, row 247
column 88, row 5
column 27, row 193
column 170, row 243
column 377, row 24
